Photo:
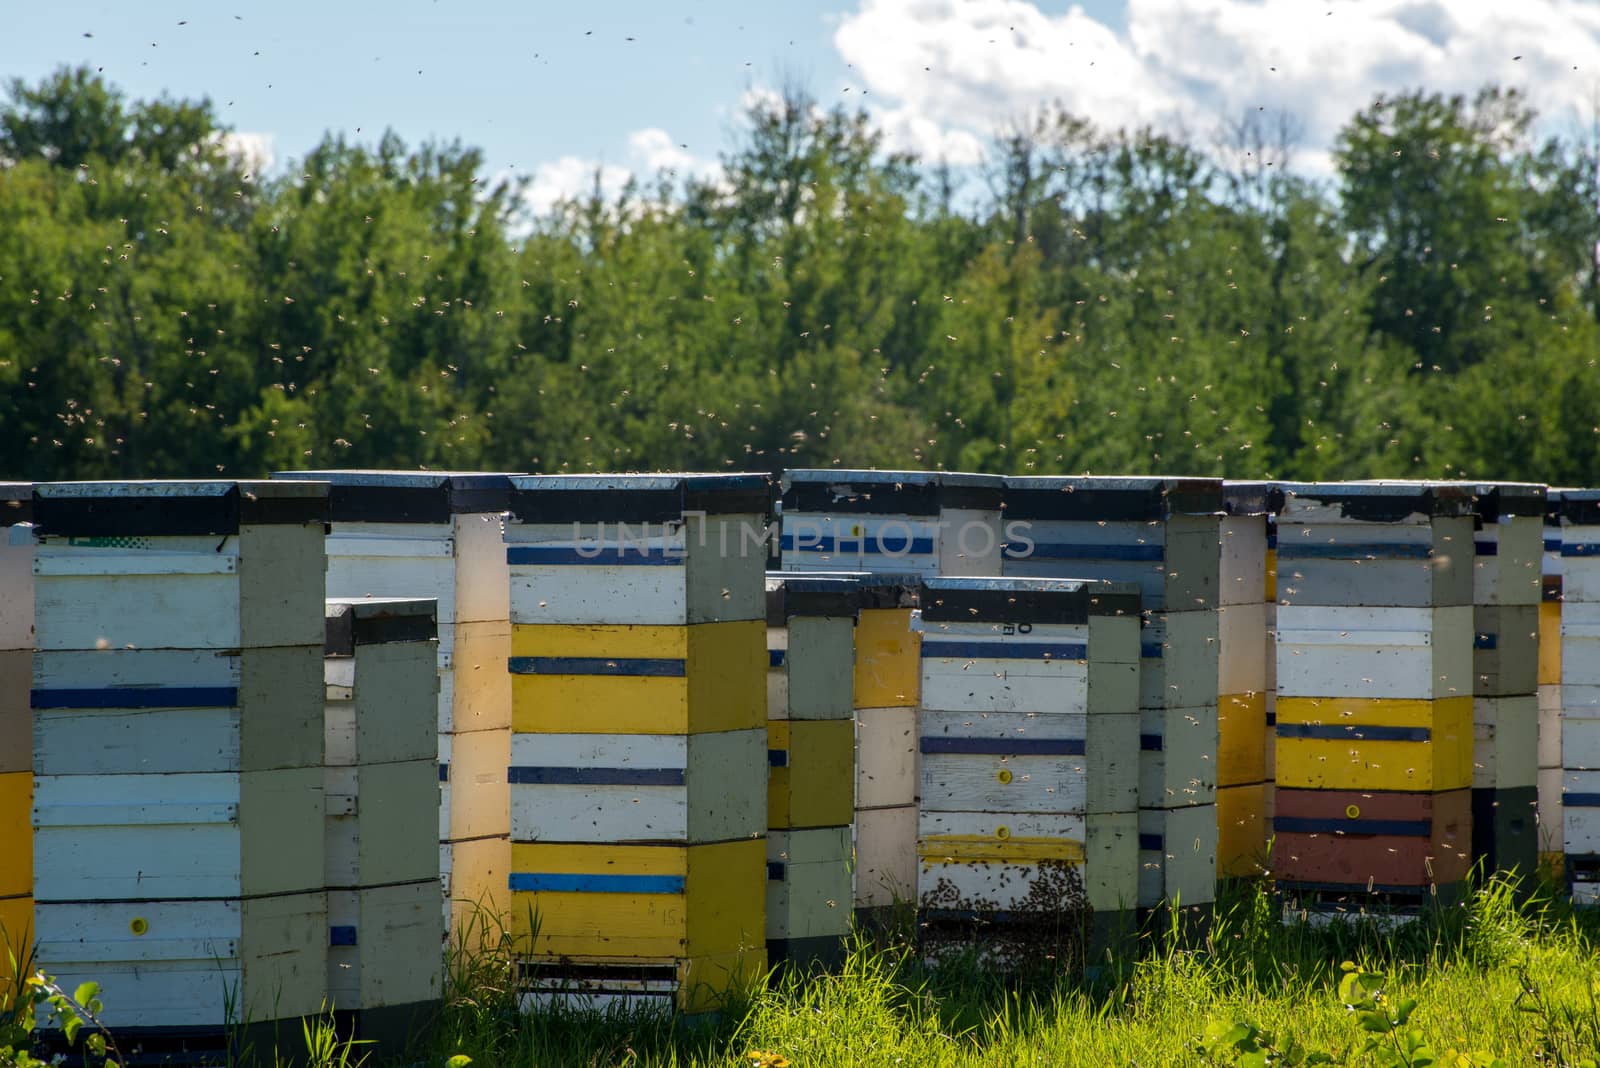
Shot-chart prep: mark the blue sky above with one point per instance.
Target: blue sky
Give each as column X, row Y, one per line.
column 554, row 90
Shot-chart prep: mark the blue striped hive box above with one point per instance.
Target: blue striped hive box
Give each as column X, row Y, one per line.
column 178, row 744
column 919, row 522
column 638, row 769
column 1375, row 676
column 385, row 924
column 1164, row 534
column 1029, row 753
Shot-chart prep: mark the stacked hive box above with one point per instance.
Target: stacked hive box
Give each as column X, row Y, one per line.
column 1580, row 690
column 1028, row 815
column 886, row 681
column 1508, row 542
column 385, row 930
column 811, row 773
column 1551, row 833
column 16, row 745
column 438, row 535
column 1374, row 691
column 178, row 749
column 1244, row 676
column 638, row 766
column 922, row 522
column 1162, row 534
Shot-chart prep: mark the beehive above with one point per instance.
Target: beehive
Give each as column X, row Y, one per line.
column 811, row 766
column 921, row 522
column 1508, row 545
column 639, row 748
column 1579, row 512
column 1244, row 677
column 16, row 745
column 1551, row 834
column 887, row 681
column 385, row 928
column 178, row 749
column 1374, row 692
column 1029, row 778
column 439, row 535
column 1164, row 535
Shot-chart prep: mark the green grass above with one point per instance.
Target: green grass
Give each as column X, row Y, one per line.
column 1494, row 976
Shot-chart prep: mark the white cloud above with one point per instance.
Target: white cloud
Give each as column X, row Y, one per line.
column 652, row 150
column 570, row 178
column 254, row 150
column 905, row 130
column 967, row 67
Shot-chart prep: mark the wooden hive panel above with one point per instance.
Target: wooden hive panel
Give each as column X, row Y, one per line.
column 1175, row 563
column 1179, row 660
column 1177, row 855
column 1580, row 810
column 639, row 679
column 1242, row 740
column 1507, row 559
column 814, row 665
column 809, row 904
column 695, row 788
column 702, row 570
column 873, row 521
column 1580, row 655
column 1242, row 648
column 475, row 679
column 886, row 757
column 1505, row 653
column 644, row 902
column 252, row 593
column 191, row 964
column 1375, row 564
column 885, row 856
column 16, row 842
column 1505, row 829
column 1242, row 830
column 1359, row 838
column 1374, row 743
column 888, row 667
column 1366, row 652
column 1242, row 576
column 898, row 544
column 382, row 942
column 1550, row 643
column 1505, row 742
column 1580, row 562
column 1177, row 757
column 811, row 773
column 972, row 534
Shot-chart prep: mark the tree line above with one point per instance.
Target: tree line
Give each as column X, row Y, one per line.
column 1109, row 301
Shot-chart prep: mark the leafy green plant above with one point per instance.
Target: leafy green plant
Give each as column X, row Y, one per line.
column 1248, row 1046
column 40, row 998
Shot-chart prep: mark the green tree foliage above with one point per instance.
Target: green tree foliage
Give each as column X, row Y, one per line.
column 1100, row 300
